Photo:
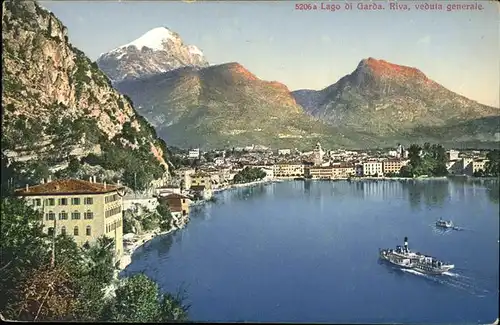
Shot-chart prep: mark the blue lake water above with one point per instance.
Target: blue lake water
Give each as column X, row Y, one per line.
column 307, row 251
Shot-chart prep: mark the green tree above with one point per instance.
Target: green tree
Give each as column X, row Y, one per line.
column 427, row 160
column 209, row 156
column 47, row 293
column 139, row 300
column 438, row 154
column 492, row 166
column 195, row 163
column 23, row 246
column 173, row 309
column 136, row 301
column 165, row 216
column 96, row 274
column 415, row 159
column 73, row 166
column 40, row 171
column 249, row 174
column 100, row 257
column 478, row 173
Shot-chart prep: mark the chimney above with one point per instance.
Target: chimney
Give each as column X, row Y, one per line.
column 94, row 180
column 104, row 184
column 50, row 179
column 90, row 179
column 42, row 181
column 27, row 188
column 119, row 182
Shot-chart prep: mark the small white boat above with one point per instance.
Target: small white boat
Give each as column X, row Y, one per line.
column 444, row 223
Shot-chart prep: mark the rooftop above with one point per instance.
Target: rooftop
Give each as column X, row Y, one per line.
column 67, row 186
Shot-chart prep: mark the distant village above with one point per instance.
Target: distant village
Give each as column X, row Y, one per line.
column 214, row 170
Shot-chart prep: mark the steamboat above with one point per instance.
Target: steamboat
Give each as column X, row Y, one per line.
column 406, row 259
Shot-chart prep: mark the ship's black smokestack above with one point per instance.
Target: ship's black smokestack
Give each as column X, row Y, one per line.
column 406, row 244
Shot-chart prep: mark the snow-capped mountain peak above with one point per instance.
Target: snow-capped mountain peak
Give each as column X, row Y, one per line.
column 157, row 51
column 154, row 39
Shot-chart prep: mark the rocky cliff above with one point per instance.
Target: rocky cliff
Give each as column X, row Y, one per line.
column 158, row 50
column 60, row 113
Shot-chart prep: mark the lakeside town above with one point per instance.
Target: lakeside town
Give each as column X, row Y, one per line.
column 89, row 209
column 218, row 167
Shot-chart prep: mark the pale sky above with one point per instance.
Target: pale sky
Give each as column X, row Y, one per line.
column 307, row 49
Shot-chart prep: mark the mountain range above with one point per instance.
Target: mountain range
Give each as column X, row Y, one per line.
column 378, row 104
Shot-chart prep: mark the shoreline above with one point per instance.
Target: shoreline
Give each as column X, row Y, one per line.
column 434, row 178
column 240, row 185
column 143, row 239
column 263, row 182
column 140, row 241
column 126, row 259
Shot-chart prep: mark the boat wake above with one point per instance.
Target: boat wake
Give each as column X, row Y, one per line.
column 454, row 280
column 447, row 231
column 455, row 275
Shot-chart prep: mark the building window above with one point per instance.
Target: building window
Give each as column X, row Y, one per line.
column 111, row 198
column 75, row 201
column 75, row 231
column 50, row 216
column 38, row 202
column 113, row 211
column 63, row 230
column 88, row 231
column 50, row 202
column 63, row 201
column 183, row 200
column 88, row 215
column 75, row 215
column 50, row 231
column 89, row 200
column 63, row 215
